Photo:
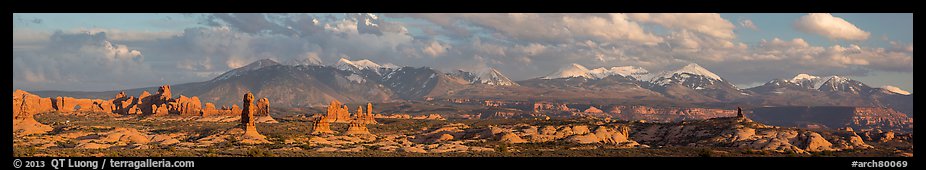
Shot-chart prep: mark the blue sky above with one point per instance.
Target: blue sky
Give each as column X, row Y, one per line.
column 521, row 46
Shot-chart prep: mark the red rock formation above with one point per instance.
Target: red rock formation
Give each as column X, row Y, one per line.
column 150, row 104
column 160, row 110
column 337, row 113
column 321, row 126
column 186, row 106
column 542, row 106
column 25, row 106
column 247, row 120
column 209, row 110
column 593, row 109
column 69, row 104
column 123, row 104
column 263, row 107
column 235, row 110
column 887, row 136
column 357, row 128
column 370, row 108
column 429, row 117
column 144, row 103
column 164, row 94
column 365, row 117
column 247, row 113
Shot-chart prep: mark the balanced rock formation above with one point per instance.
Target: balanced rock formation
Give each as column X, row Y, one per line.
column 25, row 106
column 245, row 132
column 247, row 114
column 250, row 135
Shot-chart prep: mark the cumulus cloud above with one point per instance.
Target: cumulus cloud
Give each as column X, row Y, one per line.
column 548, row 28
column 79, row 61
column 709, row 24
column 830, row 26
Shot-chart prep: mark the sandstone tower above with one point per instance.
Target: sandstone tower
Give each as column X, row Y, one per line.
column 322, row 126
column 247, row 122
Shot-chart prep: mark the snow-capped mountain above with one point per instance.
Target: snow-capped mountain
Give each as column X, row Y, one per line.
column 571, row 70
column 488, row 76
column 633, row 71
column 345, row 64
column 250, row 67
column 808, row 81
column 693, row 82
column 692, row 76
column 416, row 83
column 365, row 67
column 895, row 90
column 799, row 82
column 682, row 75
column 842, row 84
column 577, row 70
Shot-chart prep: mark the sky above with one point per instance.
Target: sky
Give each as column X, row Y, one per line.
column 101, row 52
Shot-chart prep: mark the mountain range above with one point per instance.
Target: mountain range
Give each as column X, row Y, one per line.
column 311, row 84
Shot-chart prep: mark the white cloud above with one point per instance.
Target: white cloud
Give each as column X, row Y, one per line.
column 435, row 49
column 709, row 24
column 550, row 28
column 830, row 26
column 79, row 61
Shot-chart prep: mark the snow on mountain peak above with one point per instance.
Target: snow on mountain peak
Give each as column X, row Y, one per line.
column 808, row 81
column 838, row 80
column 345, row 64
column 577, row 70
column 696, row 69
column 572, row 70
column 489, row 76
column 803, row 76
column 895, row 90
column 632, row 71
